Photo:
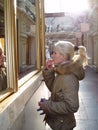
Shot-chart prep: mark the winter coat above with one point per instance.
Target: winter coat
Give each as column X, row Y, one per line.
column 64, row 100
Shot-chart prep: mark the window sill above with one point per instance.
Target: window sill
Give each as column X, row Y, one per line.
column 26, row 78
column 12, row 106
column 5, row 94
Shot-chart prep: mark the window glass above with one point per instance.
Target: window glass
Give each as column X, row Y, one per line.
column 26, row 37
column 3, row 79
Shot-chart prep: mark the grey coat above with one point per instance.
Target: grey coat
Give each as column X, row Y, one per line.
column 64, row 100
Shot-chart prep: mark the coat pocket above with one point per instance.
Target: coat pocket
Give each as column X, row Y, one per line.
column 54, row 123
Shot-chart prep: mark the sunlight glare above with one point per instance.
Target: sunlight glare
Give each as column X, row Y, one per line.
column 70, row 6
column 74, row 6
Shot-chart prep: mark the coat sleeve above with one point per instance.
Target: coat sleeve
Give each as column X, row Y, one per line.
column 69, row 103
column 49, row 76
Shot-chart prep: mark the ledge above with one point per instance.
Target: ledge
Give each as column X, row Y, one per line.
column 12, row 107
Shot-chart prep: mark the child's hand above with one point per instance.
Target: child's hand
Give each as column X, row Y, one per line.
column 40, row 104
column 49, row 64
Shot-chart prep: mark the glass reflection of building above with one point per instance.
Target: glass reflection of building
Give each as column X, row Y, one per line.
column 26, row 21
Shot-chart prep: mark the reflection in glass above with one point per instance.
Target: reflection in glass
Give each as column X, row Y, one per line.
column 26, row 26
column 3, row 79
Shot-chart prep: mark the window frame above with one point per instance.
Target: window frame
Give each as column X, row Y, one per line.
column 10, row 15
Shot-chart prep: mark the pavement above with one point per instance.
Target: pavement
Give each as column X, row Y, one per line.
column 87, row 115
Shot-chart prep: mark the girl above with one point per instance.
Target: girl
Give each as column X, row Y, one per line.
column 62, row 79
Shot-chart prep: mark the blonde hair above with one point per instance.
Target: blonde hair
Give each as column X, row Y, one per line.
column 65, row 48
column 82, row 56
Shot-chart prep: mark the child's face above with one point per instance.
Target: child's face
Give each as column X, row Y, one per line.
column 58, row 58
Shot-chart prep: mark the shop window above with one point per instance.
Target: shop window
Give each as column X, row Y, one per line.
column 27, row 49
column 20, row 42
column 26, row 35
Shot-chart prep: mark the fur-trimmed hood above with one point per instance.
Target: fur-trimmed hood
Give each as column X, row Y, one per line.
column 71, row 67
